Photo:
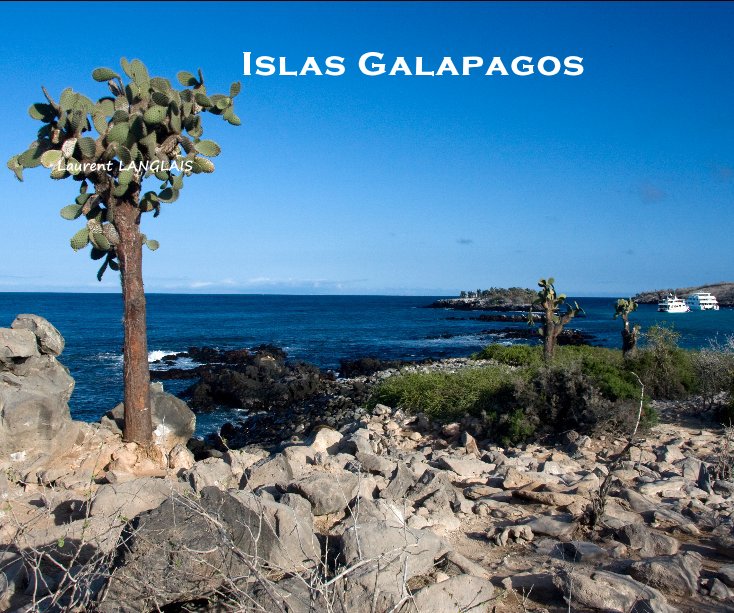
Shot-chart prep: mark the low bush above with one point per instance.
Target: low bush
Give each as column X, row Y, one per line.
column 512, row 355
column 587, row 389
column 666, row 370
column 605, row 367
column 588, row 399
column 446, row 396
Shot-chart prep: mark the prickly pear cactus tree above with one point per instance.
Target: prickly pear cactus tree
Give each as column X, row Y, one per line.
column 145, row 128
column 622, row 309
column 555, row 313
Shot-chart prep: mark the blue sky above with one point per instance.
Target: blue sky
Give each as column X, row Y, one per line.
column 618, row 180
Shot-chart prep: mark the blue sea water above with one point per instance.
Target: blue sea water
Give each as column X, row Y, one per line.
column 318, row 329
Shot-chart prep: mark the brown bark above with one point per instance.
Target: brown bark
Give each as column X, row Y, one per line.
column 136, row 375
column 549, row 343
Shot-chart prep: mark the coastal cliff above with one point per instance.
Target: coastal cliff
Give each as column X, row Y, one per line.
column 724, row 293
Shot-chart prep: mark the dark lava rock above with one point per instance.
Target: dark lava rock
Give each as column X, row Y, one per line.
column 259, row 388
column 336, row 404
column 281, row 399
column 259, row 381
column 459, row 304
column 513, row 317
column 567, row 336
column 368, row 366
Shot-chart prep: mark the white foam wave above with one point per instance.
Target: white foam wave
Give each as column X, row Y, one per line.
column 109, row 357
column 453, row 341
column 158, row 354
column 153, row 360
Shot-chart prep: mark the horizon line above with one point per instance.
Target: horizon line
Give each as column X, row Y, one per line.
column 312, row 294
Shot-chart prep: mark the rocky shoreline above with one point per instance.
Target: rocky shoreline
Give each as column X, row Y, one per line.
column 367, row 510
column 280, row 398
column 477, row 304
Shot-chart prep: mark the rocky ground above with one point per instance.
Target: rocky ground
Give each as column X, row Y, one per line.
column 383, row 512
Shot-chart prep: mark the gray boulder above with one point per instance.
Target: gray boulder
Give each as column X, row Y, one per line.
column 130, row 498
column 718, row 590
column 17, row 345
column 581, row 552
column 466, row 467
column 272, row 471
column 187, row 549
column 383, row 510
column 460, row 593
column 293, row 595
column 676, row 575
column 208, row 472
column 327, row 492
column 400, row 483
column 649, row 542
column 374, row 464
column 607, row 591
column 34, row 392
column 49, row 339
column 295, row 546
column 726, row 574
column 556, row 526
column 300, row 506
column 433, row 490
column 180, row 458
column 173, row 421
column 357, row 441
column 395, row 554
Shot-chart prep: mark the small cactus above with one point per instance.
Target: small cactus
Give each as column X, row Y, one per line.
column 555, row 313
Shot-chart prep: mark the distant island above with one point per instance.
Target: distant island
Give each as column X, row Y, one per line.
column 724, row 293
column 492, row 299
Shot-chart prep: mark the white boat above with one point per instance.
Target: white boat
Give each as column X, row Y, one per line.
column 673, row 304
column 702, row 301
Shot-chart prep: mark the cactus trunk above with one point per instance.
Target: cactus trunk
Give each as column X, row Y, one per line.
column 136, row 375
column 552, row 330
column 629, row 338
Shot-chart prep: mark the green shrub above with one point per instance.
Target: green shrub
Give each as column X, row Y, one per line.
column 607, row 369
column 445, row 396
column 514, row 427
column 584, row 388
column 561, row 397
column 589, row 397
column 667, row 371
column 512, row 355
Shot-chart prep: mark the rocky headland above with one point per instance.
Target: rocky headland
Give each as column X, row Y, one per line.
column 724, row 293
column 494, row 299
column 477, row 304
column 377, row 510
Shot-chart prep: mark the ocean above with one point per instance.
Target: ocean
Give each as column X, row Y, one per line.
column 318, row 329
